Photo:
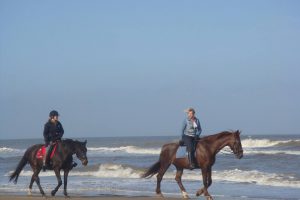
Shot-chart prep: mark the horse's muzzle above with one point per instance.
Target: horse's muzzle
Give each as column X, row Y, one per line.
column 240, row 155
column 84, row 162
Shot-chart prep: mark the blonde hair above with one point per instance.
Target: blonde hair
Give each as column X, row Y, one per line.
column 190, row 110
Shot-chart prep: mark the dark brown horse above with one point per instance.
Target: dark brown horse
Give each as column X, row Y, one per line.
column 206, row 151
column 62, row 160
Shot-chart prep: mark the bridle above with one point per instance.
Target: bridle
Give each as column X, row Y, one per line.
column 237, row 150
column 81, row 155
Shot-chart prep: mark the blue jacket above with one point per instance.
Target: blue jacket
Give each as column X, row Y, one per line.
column 189, row 129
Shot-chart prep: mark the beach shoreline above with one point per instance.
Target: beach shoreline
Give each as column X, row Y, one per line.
column 115, row 166
column 107, row 197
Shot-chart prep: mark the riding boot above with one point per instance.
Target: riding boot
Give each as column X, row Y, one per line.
column 44, row 163
column 191, row 160
column 46, row 158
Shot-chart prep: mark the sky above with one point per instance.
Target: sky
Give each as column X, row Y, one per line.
column 130, row 68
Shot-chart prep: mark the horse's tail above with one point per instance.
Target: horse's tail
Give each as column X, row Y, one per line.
column 165, row 159
column 15, row 175
column 152, row 170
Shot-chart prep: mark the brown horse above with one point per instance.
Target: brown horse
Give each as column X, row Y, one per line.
column 62, row 160
column 206, row 151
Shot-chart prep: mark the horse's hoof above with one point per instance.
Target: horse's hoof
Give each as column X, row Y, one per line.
column 53, row 193
column 160, row 195
column 66, row 195
column 199, row 193
column 209, row 198
column 29, row 192
column 185, row 195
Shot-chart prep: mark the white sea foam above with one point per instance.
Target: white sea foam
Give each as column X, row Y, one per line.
column 125, row 149
column 252, row 177
column 257, row 177
column 256, row 143
column 115, row 171
column 250, row 146
column 271, row 152
column 236, row 175
column 104, row 171
column 6, row 152
column 253, row 151
column 9, row 150
column 266, row 146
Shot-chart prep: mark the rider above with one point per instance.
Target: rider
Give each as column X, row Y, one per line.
column 53, row 131
column 191, row 131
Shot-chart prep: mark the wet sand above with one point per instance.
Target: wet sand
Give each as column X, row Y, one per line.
column 20, row 197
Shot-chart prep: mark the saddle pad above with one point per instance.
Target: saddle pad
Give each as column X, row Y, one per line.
column 181, row 152
column 42, row 152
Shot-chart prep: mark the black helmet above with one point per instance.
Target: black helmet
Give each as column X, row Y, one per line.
column 53, row 113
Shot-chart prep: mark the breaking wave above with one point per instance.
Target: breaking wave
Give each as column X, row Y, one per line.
column 235, row 175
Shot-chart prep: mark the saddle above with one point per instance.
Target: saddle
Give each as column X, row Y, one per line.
column 182, row 151
column 42, row 152
column 181, row 143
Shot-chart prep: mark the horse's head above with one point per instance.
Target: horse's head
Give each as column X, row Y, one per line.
column 80, row 151
column 236, row 145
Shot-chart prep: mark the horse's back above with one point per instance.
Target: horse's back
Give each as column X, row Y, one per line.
column 34, row 147
column 170, row 146
column 168, row 151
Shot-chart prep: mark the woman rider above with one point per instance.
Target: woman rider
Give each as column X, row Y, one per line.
column 53, row 131
column 191, row 131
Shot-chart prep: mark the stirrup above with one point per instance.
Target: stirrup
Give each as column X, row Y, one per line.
column 192, row 166
column 44, row 168
column 74, row 164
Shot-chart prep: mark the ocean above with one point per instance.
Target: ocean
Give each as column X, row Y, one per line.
column 268, row 170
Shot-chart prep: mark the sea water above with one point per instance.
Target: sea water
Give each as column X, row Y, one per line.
column 268, row 170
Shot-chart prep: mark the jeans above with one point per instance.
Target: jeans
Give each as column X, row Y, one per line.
column 189, row 141
column 49, row 149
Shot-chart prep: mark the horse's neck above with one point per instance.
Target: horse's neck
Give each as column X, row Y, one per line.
column 220, row 143
column 67, row 150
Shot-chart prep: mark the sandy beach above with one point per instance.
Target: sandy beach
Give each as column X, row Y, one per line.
column 16, row 197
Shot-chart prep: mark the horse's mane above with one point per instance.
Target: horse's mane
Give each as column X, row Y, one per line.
column 69, row 141
column 216, row 136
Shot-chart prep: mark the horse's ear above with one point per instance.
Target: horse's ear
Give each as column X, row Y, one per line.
column 238, row 132
column 85, row 142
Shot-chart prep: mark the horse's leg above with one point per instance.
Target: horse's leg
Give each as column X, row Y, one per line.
column 59, row 181
column 33, row 167
column 66, row 173
column 30, row 185
column 208, row 182
column 159, row 177
column 36, row 178
column 209, row 179
column 201, row 191
column 178, row 180
column 206, row 176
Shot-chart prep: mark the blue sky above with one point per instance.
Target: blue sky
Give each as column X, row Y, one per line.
column 122, row 68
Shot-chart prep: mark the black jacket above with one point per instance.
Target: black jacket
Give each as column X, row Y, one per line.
column 53, row 132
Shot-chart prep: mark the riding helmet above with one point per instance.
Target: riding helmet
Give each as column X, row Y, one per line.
column 53, row 113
